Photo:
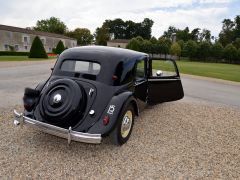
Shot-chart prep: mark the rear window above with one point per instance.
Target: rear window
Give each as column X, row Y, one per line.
column 83, row 67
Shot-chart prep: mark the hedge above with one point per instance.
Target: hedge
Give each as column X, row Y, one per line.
column 37, row 50
column 60, row 48
column 13, row 53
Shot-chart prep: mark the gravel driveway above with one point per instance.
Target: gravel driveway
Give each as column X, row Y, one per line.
column 173, row 140
column 192, row 138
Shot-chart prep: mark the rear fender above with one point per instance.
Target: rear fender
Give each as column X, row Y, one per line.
column 41, row 85
column 113, row 111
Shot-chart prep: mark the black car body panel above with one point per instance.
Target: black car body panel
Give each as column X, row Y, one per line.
column 122, row 77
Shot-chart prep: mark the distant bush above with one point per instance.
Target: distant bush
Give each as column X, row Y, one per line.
column 175, row 49
column 217, row 51
column 230, row 53
column 190, row 49
column 13, row 53
column 238, row 56
column 60, row 48
column 37, row 50
column 203, row 50
column 134, row 44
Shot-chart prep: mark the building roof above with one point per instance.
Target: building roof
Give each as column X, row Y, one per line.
column 28, row 31
column 119, row 41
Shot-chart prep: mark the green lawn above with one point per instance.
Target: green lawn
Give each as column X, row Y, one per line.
column 215, row 70
column 21, row 58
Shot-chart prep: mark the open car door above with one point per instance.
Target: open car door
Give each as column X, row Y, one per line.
column 164, row 83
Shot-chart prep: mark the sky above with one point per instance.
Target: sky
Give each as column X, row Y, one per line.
column 92, row 13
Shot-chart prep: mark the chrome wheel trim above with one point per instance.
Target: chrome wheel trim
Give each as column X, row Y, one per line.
column 126, row 124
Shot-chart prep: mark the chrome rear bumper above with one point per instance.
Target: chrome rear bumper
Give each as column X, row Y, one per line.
column 69, row 134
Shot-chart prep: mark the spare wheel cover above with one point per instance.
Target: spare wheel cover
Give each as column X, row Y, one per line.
column 61, row 101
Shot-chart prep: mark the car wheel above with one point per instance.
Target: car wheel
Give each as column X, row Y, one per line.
column 124, row 126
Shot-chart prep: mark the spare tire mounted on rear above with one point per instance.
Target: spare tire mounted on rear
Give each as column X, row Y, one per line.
column 62, row 101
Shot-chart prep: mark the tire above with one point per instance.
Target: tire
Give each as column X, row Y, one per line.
column 121, row 133
column 66, row 111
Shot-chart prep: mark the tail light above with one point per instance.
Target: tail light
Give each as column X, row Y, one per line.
column 106, row 120
column 29, row 98
column 28, row 103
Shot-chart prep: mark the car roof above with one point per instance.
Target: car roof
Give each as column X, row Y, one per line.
column 107, row 57
column 101, row 53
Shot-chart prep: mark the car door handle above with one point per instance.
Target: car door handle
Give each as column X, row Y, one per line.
column 138, row 83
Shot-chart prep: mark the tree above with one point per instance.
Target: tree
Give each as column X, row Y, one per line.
column 237, row 27
column 183, row 34
column 102, row 36
column 190, row 48
column 195, row 34
column 230, row 53
column 134, row 44
column 146, row 46
column 60, row 48
column 83, row 36
column 181, row 44
column 52, row 25
column 217, row 50
column 175, row 49
column 146, row 28
column 164, row 45
column 238, row 56
column 204, row 50
column 236, row 43
column 226, row 36
column 205, row 35
column 37, row 50
column 120, row 29
column 153, row 40
column 116, row 27
column 171, row 30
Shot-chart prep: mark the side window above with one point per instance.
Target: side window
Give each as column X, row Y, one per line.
column 124, row 73
column 163, row 68
column 140, row 70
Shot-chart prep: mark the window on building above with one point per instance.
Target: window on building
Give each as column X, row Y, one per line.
column 16, row 47
column 9, row 34
column 50, row 49
column 25, row 39
column 6, row 47
column 43, row 40
column 25, row 47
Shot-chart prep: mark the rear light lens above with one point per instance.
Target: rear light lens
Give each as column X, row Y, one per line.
column 28, row 103
column 106, row 120
column 30, row 98
column 28, row 107
column 114, row 77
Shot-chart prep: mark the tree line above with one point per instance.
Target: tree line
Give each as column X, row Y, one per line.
column 110, row 29
column 55, row 25
column 195, row 51
column 119, row 29
column 196, row 44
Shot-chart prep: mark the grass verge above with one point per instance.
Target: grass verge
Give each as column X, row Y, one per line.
column 21, row 58
column 229, row 72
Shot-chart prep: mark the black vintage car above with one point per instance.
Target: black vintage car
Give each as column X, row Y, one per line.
column 96, row 91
